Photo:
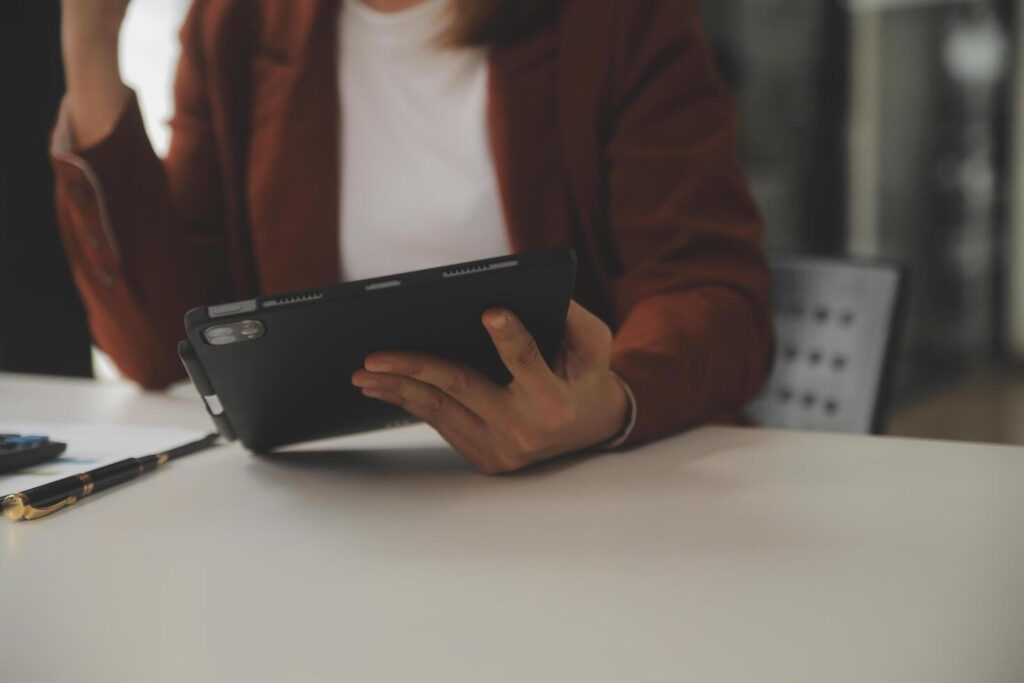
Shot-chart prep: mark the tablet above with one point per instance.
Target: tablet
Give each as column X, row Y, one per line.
column 276, row 370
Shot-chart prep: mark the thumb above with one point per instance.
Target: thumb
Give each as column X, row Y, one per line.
column 517, row 348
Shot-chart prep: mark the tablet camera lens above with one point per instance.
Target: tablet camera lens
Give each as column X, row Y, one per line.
column 230, row 333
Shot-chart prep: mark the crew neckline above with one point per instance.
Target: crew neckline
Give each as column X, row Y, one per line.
column 406, row 16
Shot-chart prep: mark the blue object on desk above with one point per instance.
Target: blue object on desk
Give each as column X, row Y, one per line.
column 18, row 451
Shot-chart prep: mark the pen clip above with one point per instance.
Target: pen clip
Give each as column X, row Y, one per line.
column 36, row 513
column 16, row 507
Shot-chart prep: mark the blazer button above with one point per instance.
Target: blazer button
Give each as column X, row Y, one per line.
column 81, row 194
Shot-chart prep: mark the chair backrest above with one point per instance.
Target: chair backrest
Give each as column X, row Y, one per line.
column 836, row 325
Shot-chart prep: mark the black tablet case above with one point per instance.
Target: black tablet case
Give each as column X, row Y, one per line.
column 294, row 383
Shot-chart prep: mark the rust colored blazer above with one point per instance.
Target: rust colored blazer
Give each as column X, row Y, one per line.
column 611, row 132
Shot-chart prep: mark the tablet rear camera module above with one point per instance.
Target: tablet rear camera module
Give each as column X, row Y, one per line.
column 233, row 333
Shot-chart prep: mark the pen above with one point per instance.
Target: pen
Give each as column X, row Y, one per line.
column 46, row 499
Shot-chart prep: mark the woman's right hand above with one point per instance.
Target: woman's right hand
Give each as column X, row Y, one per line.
column 95, row 94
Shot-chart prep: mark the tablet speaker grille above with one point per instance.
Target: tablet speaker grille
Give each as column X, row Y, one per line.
column 294, row 299
column 469, row 270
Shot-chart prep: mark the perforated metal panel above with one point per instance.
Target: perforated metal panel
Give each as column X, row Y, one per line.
column 835, row 324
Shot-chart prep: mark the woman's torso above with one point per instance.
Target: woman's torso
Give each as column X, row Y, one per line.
column 418, row 185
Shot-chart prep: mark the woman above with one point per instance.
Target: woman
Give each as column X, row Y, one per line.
column 311, row 137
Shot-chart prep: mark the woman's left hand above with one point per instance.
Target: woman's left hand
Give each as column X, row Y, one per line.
column 541, row 414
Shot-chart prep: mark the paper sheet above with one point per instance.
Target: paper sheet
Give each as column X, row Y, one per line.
column 90, row 445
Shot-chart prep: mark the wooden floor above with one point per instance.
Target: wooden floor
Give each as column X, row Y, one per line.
column 988, row 406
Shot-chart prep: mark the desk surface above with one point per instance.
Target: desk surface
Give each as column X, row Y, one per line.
column 722, row 555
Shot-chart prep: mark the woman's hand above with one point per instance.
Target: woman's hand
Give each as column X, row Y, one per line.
column 541, row 414
column 95, row 94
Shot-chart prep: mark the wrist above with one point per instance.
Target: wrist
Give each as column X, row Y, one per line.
column 94, row 45
column 90, row 23
column 91, row 61
column 96, row 96
column 621, row 415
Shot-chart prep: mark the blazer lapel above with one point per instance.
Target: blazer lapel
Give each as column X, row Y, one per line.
column 526, row 142
column 293, row 153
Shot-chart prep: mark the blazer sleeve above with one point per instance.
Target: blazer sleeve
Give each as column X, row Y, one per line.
column 145, row 236
column 692, row 287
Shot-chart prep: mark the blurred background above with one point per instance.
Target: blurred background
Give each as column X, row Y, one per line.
column 887, row 129
column 870, row 128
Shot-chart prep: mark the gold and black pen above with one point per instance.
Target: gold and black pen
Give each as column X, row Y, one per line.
column 43, row 500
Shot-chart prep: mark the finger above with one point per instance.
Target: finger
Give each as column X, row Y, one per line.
column 518, row 349
column 460, row 428
column 588, row 340
column 468, row 387
column 428, row 403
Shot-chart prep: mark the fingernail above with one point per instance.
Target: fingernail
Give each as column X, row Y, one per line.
column 375, row 365
column 497, row 320
column 370, row 393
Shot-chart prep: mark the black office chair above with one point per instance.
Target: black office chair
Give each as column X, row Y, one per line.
column 837, row 325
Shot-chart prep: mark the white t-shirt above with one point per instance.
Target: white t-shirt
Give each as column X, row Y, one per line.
column 418, row 183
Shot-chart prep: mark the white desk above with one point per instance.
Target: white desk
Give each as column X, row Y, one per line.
column 723, row 555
